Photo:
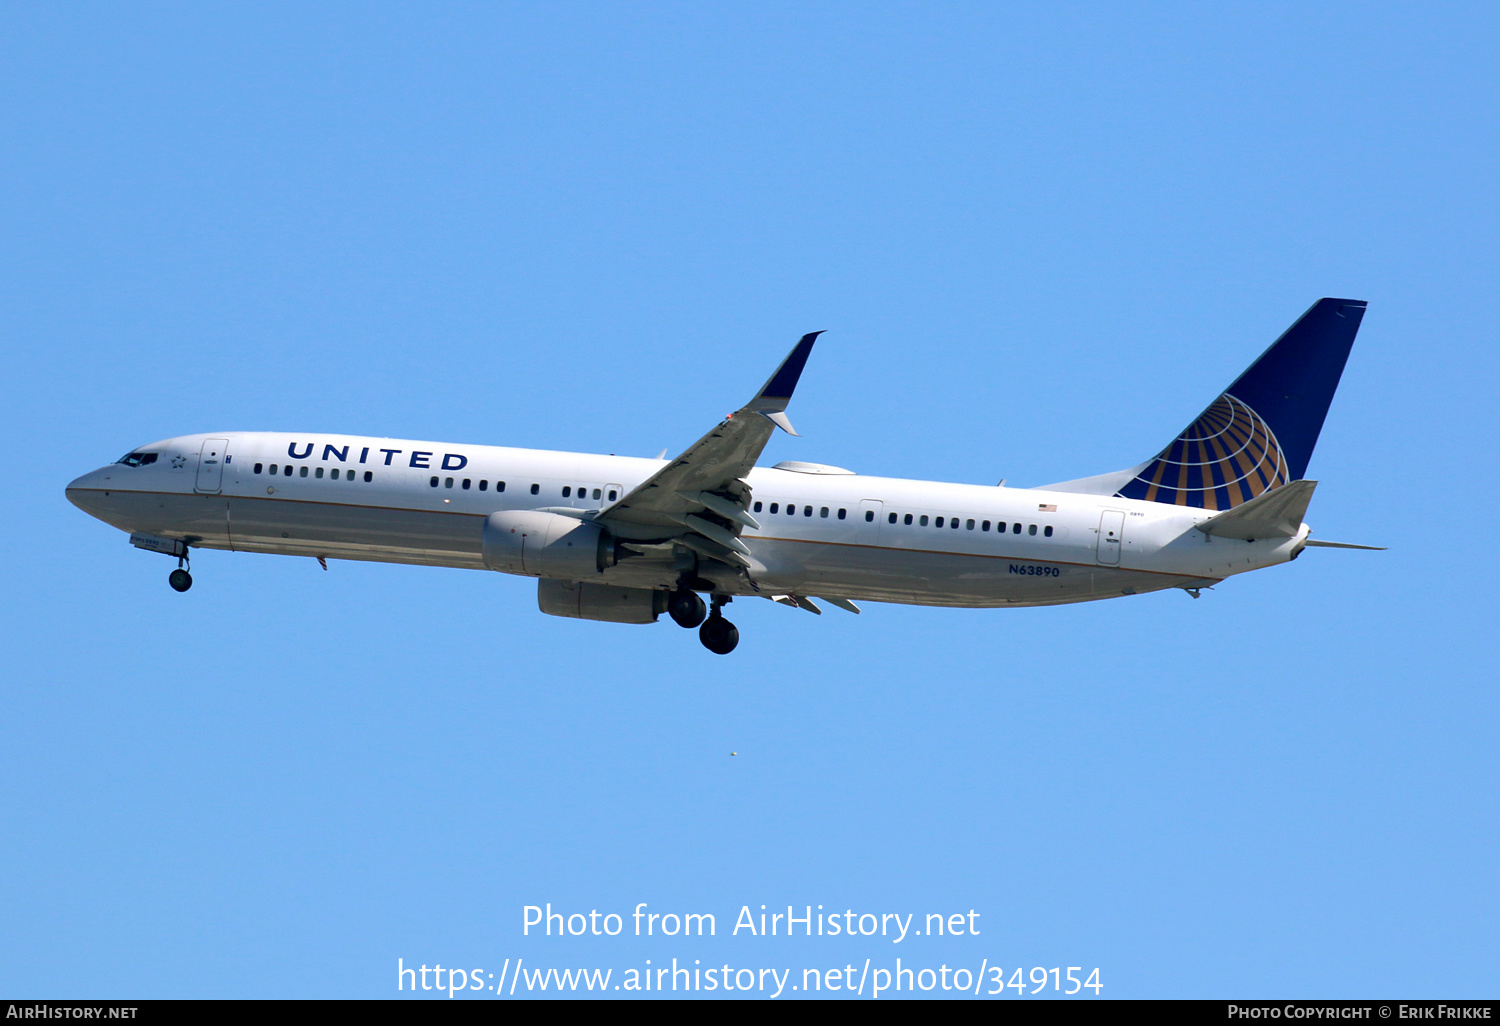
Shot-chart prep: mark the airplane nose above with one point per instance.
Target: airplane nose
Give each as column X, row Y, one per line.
column 85, row 485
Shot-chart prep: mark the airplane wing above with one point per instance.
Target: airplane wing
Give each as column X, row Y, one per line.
column 699, row 498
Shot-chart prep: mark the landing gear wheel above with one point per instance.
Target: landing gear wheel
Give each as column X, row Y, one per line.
column 180, row 579
column 718, row 635
column 686, row 608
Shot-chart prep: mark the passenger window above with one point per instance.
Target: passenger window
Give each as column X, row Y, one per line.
column 823, row 512
column 922, row 520
column 1047, row 531
column 757, row 508
column 1015, row 528
column 1031, row 529
column 791, row 509
column 499, row 486
column 320, row 472
column 843, row 513
column 567, row 491
column 907, row 520
column 869, row 516
column 969, row 525
column 274, row 468
column 433, row 482
column 939, row 521
column 304, row 472
column 611, row 495
column 447, row 482
column 953, row 523
column 260, row 466
column 807, row 511
column 467, row 482
column 369, row 476
column 484, row 485
column 287, row 470
column 536, row 489
column 891, row 519
column 985, row 526
column 596, row 493
column 775, row 507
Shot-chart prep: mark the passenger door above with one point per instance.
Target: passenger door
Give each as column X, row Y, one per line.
column 211, row 466
column 1111, row 536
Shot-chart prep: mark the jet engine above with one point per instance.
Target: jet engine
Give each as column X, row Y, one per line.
column 589, row 601
column 546, row 545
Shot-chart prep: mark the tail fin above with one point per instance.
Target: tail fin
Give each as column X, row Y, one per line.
column 1260, row 433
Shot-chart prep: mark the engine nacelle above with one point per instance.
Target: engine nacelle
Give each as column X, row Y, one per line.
column 587, row 601
column 545, row 545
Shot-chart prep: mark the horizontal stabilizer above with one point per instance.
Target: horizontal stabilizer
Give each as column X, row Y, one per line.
column 1276, row 513
column 1343, row 545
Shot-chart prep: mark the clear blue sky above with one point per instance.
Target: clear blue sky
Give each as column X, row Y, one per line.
column 1040, row 238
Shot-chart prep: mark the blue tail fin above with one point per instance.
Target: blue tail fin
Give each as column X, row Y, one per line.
column 1260, row 433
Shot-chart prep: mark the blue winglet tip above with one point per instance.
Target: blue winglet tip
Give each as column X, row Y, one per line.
column 784, row 382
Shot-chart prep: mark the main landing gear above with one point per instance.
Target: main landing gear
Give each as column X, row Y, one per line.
column 180, row 579
column 687, row 609
column 718, row 635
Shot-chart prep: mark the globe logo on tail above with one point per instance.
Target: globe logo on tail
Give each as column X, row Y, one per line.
column 1227, row 456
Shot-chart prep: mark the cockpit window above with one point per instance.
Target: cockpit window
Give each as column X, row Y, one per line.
column 137, row 459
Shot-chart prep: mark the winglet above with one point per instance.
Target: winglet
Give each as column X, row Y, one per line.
column 777, row 391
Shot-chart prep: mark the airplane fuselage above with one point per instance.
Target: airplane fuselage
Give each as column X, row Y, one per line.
column 822, row 532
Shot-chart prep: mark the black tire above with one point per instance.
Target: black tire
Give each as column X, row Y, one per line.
column 718, row 635
column 686, row 608
column 180, row 580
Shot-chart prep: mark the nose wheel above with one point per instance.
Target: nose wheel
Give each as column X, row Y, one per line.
column 180, row 579
column 718, row 635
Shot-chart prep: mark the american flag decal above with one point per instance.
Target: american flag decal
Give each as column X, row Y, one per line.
column 1046, row 509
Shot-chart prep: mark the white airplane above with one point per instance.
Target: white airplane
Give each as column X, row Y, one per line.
column 623, row 539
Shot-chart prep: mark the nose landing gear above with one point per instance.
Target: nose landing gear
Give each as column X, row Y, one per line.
column 718, row 635
column 180, row 579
